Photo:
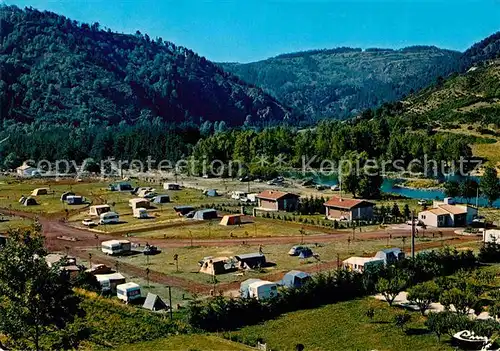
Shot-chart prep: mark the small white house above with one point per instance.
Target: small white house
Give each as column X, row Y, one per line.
column 128, row 292
column 141, row 213
column 262, row 290
column 109, row 218
column 97, row 210
column 116, row 247
column 360, row 264
column 171, row 186
column 447, row 214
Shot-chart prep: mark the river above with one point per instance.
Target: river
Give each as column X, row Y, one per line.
column 390, row 186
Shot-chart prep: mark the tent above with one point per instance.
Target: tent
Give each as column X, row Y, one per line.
column 211, row 192
column 65, row 195
column 29, row 201
column 305, row 253
column 154, row 303
column 161, row 199
column 74, row 200
column 205, row 214
column 231, row 220
column 244, row 291
column 183, row 210
column 295, row 279
column 216, row 265
column 40, row 191
column 251, row 260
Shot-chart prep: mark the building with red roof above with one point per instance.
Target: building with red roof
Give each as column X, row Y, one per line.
column 348, row 209
column 274, row 200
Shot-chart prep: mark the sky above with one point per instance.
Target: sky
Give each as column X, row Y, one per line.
column 252, row 30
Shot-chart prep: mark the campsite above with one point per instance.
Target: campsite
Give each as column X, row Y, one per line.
column 227, row 242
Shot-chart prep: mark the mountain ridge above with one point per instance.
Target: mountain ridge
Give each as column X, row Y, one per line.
column 59, row 70
column 341, row 82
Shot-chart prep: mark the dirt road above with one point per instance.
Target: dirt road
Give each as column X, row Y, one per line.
column 82, row 240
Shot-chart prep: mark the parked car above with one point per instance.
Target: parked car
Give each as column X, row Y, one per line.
column 296, row 250
column 415, row 221
column 151, row 250
column 88, row 222
column 190, row 214
column 335, row 187
column 423, row 202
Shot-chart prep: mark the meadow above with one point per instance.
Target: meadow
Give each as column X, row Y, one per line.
column 277, row 254
column 344, row 326
column 199, row 342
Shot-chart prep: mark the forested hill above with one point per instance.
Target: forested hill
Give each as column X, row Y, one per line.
column 486, row 49
column 58, row 71
column 340, row 82
column 469, row 98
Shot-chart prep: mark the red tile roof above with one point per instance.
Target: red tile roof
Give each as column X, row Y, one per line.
column 346, row 203
column 274, row 195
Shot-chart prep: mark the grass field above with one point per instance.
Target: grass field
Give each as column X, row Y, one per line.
column 113, row 324
column 159, row 215
column 12, row 191
column 344, row 326
column 8, row 222
column 187, row 342
column 252, row 227
column 277, row 254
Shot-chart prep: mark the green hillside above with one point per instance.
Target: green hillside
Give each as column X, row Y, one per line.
column 341, row 82
column 473, row 97
column 58, row 71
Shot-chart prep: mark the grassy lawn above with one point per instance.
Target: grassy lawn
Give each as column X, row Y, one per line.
column 254, row 227
column 491, row 214
column 344, row 326
column 278, row 254
column 12, row 190
column 491, row 152
column 187, row 342
column 113, row 324
column 159, row 215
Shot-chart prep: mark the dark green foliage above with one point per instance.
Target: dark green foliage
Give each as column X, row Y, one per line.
column 37, row 303
column 486, row 49
column 112, row 324
column 452, row 188
column 390, row 138
column 489, row 252
column 490, row 186
column 401, row 319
